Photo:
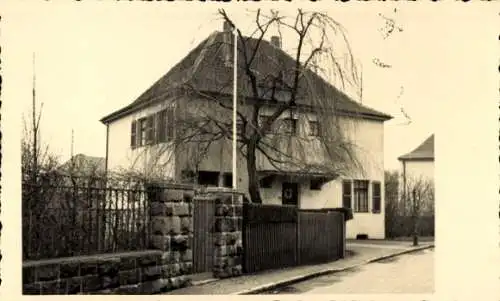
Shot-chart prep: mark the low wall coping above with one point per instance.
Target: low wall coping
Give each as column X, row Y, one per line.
column 83, row 258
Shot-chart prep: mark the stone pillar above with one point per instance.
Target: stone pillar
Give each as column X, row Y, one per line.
column 172, row 233
column 228, row 253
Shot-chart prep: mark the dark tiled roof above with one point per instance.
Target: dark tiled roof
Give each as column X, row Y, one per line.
column 84, row 165
column 205, row 69
column 424, row 151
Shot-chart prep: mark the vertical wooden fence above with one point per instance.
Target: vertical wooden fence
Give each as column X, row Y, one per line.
column 269, row 237
column 284, row 236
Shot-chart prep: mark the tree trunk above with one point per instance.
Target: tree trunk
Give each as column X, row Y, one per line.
column 253, row 179
column 415, row 221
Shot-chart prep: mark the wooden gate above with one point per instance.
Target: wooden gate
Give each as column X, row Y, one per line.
column 203, row 240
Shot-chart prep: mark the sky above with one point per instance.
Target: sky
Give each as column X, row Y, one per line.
column 92, row 60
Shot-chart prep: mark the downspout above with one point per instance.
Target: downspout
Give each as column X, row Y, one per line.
column 221, row 166
column 404, row 184
column 107, row 152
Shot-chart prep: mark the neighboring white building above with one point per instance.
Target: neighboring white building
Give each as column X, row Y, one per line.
column 418, row 166
column 419, row 163
column 137, row 132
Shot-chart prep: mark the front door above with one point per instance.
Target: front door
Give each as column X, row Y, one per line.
column 290, row 194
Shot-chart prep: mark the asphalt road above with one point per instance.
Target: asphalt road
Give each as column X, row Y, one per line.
column 411, row 273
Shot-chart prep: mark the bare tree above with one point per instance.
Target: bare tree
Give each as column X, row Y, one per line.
column 418, row 196
column 408, row 205
column 35, row 157
column 273, row 87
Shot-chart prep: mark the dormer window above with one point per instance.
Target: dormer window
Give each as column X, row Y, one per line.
column 313, row 128
column 262, row 120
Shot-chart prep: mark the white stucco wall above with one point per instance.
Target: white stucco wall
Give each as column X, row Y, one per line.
column 367, row 136
column 141, row 159
column 419, row 169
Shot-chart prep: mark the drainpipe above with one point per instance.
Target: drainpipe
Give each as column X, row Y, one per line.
column 221, row 164
column 404, row 184
column 107, row 152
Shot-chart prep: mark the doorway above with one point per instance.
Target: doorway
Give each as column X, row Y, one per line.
column 290, row 193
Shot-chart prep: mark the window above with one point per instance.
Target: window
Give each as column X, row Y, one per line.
column 313, row 128
column 133, row 134
column 165, row 125
column 150, row 133
column 155, row 128
column 346, row 194
column 289, row 126
column 170, row 123
column 360, row 196
column 316, row 184
column 142, row 132
column 266, row 182
column 208, row 178
column 188, row 176
column 262, row 120
column 376, row 196
column 162, row 126
column 228, row 180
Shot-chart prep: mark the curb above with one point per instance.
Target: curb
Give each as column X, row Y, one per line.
column 285, row 282
column 202, row 282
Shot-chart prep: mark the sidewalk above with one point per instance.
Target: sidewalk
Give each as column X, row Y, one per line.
column 360, row 254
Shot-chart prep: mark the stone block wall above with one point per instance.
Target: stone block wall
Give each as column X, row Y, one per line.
column 228, row 236
column 172, row 234
column 144, row 272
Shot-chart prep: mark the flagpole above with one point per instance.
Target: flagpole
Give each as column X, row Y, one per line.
column 235, row 68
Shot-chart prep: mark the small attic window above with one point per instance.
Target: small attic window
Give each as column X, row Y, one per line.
column 316, row 184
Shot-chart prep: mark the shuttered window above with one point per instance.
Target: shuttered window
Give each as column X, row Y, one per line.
column 170, row 123
column 133, row 134
column 361, row 196
column 313, row 128
column 150, row 129
column 376, row 197
column 142, row 132
column 153, row 129
column 346, row 194
column 289, row 126
column 162, row 126
column 263, row 119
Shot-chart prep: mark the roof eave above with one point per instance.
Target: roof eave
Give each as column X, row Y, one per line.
column 129, row 109
column 408, row 158
column 378, row 117
column 133, row 107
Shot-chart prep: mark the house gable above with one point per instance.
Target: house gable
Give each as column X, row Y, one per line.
column 424, row 152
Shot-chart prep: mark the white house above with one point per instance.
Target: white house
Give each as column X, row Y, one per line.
column 139, row 132
column 419, row 163
column 417, row 172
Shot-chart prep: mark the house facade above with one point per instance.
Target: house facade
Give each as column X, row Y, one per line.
column 417, row 168
column 140, row 136
column 419, row 163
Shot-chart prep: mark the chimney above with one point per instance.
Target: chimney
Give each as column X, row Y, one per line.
column 227, row 27
column 227, row 43
column 276, row 41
